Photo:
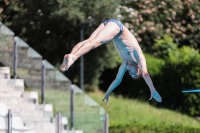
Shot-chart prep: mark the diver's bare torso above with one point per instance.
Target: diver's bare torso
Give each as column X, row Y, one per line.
column 127, row 46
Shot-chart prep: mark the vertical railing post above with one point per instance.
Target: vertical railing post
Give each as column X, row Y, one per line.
column 43, row 82
column 9, row 122
column 82, row 61
column 58, row 123
column 15, row 58
column 72, row 108
column 82, row 57
column 106, row 124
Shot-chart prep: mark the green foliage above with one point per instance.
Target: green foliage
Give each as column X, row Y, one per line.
column 185, row 56
column 163, row 46
column 154, row 64
column 52, row 28
column 181, row 71
column 136, row 128
column 151, row 19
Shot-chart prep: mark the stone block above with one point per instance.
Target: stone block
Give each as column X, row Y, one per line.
column 31, row 97
column 42, row 126
column 75, row 131
column 48, row 110
column 14, row 86
column 5, row 72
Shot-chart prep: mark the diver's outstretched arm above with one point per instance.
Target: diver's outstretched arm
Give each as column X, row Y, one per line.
column 116, row 82
column 147, row 78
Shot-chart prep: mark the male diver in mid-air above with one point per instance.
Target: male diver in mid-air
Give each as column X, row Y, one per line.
column 127, row 47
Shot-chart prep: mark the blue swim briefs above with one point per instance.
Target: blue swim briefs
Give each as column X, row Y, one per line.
column 118, row 23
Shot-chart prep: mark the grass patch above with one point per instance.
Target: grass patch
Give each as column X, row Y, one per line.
column 125, row 115
column 125, row 111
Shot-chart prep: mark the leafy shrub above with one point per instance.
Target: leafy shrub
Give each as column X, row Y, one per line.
column 138, row 128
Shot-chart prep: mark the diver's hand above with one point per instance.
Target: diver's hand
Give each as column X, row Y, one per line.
column 106, row 97
column 156, row 96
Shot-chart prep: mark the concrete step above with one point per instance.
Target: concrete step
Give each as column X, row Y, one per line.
column 75, row 131
column 44, row 130
column 47, row 109
column 12, row 99
column 17, row 125
column 32, row 112
column 36, row 119
column 31, row 96
column 4, row 95
column 4, row 73
column 39, row 127
column 29, row 131
column 27, row 113
column 19, row 104
column 64, row 122
column 17, row 109
column 16, row 84
column 14, row 131
column 22, row 106
column 12, row 86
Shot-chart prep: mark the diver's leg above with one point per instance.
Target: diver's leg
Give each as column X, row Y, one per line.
column 108, row 32
column 77, row 46
column 92, row 36
column 70, row 57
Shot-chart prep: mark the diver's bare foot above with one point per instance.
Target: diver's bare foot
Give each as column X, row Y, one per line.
column 67, row 62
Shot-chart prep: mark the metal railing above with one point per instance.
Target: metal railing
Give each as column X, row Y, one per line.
column 9, row 122
column 58, row 123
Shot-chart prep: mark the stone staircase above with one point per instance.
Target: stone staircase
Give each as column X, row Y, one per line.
column 24, row 105
column 39, row 118
column 29, row 62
